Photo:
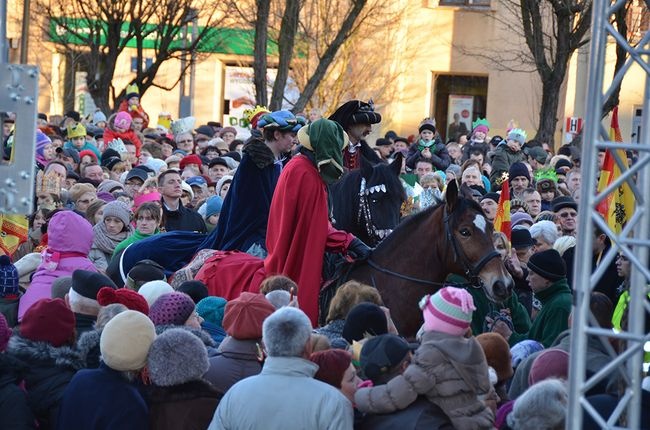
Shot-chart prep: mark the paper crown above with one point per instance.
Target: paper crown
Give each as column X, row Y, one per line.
column 48, row 183
column 132, row 90
column 183, row 125
column 548, row 173
column 165, row 119
column 481, row 121
column 76, row 130
column 253, row 115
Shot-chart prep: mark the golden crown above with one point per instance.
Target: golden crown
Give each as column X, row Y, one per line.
column 48, row 183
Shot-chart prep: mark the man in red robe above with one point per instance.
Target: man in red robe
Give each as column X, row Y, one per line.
column 299, row 230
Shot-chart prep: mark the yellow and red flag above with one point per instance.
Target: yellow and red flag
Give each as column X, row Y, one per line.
column 617, row 208
column 502, row 218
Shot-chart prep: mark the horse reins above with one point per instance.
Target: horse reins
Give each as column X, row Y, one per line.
column 471, row 270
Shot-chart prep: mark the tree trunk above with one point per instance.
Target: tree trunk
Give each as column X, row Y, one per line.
column 286, row 42
column 259, row 51
column 621, row 56
column 548, row 108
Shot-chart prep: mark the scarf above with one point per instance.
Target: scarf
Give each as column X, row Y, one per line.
column 106, row 242
column 326, row 140
column 422, row 144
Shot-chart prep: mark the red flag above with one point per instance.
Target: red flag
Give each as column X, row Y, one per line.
column 502, row 218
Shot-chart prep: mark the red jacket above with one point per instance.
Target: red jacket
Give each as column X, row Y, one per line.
column 110, row 135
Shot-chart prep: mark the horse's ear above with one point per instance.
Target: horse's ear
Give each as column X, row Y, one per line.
column 451, row 195
column 366, row 168
column 396, row 164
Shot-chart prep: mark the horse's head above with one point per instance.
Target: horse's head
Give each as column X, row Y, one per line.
column 381, row 195
column 472, row 247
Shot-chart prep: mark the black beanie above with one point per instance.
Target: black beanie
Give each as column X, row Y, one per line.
column 548, row 264
column 518, row 169
column 88, row 284
column 195, row 289
column 427, row 126
column 365, row 318
column 143, row 272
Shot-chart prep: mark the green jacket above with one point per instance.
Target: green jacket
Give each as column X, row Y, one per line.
column 501, row 162
column 553, row 319
column 487, row 308
column 136, row 236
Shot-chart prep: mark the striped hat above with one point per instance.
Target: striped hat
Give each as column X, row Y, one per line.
column 448, row 311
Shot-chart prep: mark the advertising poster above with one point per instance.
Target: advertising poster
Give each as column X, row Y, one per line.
column 459, row 115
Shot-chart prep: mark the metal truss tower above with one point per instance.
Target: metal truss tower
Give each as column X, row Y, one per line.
column 633, row 241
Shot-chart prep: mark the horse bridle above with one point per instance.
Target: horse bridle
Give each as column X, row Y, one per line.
column 364, row 215
column 471, row 270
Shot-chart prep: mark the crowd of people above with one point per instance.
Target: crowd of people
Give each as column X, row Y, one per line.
column 84, row 345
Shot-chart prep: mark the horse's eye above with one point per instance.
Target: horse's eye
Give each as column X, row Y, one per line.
column 465, row 232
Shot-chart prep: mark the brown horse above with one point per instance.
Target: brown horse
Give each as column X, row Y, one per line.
column 414, row 260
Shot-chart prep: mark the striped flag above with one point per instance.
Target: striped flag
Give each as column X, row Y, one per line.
column 618, row 206
column 502, row 219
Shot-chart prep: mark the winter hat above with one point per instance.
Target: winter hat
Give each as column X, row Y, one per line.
column 126, row 340
column 213, row 206
column 518, row 169
column 491, row 196
column 521, row 238
column 523, row 350
column 137, row 173
column 225, row 130
column 518, row 135
column 448, row 311
column 205, row 130
column 110, row 162
column 109, row 153
column 89, row 153
column 48, row 320
column 177, row 357
column 61, row 286
column 172, row 309
column 427, row 124
column 87, row 284
column 550, row 363
column 129, row 298
column 190, row 159
column 143, row 272
column 538, row 154
column 278, row 298
column 243, row 316
column 156, row 165
column 152, row 290
column 563, row 162
column 382, row 353
column 212, row 309
column 5, row 333
column 41, row 142
column 497, row 354
column 520, row 217
column 562, row 202
column 119, row 210
column 454, row 169
column 195, row 289
column 98, row 117
column 78, row 190
column 8, row 277
column 106, row 197
column 153, row 196
column 332, row 364
column 364, row 319
column 548, row 264
column 122, row 120
column 109, row 186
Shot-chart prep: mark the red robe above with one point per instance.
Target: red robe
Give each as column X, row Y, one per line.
column 299, row 232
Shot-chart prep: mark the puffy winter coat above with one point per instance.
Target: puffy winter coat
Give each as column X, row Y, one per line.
column 235, row 360
column 189, row 406
column 70, row 239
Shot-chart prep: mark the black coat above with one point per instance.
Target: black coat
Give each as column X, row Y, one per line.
column 183, row 219
column 419, row 415
column 439, row 156
column 49, row 370
column 15, row 413
column 189, row 406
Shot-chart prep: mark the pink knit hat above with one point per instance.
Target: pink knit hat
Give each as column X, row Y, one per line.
column 171, row 309
column 122, row 120
column 448, row 311
column 153, row 196
column 550, row 363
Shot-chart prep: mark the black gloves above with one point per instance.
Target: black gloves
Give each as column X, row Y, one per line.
column 359, row 250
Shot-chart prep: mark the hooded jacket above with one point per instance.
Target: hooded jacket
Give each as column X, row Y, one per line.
column 451, row 371
column 49, row 370
column 70, row 239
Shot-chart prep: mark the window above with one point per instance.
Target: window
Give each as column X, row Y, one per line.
column 146, row 63
column 465, row 95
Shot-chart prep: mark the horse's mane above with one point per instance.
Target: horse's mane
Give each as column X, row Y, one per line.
column 412, row 221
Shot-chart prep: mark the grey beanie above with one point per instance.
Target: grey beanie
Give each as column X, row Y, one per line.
column 119, row 210
column 177, row 356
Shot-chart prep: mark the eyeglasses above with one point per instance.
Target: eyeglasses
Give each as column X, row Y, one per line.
column 568, row 214
column 622, row 257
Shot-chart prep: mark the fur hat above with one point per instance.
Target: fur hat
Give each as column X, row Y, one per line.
column 548, row 264
column 5, row 333
column 122, row 120
column 87, row 284
column 362, row 320
column 129, row 298
column 50, row 321
column 152, row 290
column 518, row 169
column 550, row 363
column 332, row 364
column 382, row 353
column 172, row 309
column 195, row 289
column 497, row 353
column 8, row 277
column 144, row 271
column 119, row 210
column 212, row 309
column 126, row 340
column 449, row 311
column 244, row 316
column 176, row 357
